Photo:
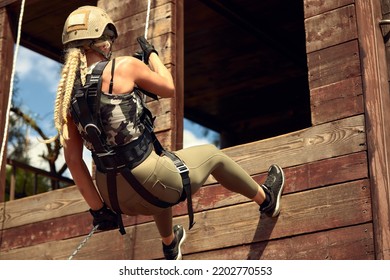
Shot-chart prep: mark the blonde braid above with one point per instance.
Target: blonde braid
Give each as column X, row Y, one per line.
column 59, row 99
column 73, row 60
column 83, row 67
column 64, row 91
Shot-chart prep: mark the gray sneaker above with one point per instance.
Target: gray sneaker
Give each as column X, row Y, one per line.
column 273, row 185
column 173, row 251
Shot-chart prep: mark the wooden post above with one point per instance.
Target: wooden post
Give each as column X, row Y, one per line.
column 178, row 75
column 13, row 184
column 377, row 106
column 6, row 49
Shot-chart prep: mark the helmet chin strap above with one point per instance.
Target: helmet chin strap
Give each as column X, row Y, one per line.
column 107, row 55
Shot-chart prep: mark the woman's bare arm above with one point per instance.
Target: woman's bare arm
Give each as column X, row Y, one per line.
column 73, row 152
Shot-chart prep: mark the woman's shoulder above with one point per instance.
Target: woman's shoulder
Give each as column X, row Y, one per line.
column 126, row 59
column 127, row 62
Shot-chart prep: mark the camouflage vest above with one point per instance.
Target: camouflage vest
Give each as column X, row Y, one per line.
column 120, row 119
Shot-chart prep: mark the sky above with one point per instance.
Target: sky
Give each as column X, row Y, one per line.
column 38, row 77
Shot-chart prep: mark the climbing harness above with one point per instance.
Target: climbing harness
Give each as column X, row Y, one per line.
column 11, row 88
column 85, row 108
column 83, row 242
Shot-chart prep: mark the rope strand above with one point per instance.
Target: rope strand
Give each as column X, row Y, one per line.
column 147, row 19
column 82, row 243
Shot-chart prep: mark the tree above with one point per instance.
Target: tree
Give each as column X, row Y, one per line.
column 20, row 123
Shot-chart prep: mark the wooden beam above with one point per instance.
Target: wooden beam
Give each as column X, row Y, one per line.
column 178, row 74
column 4, row 3
column 21, row 165
column 377, row 102
column 42, row 48
column 331, row 28
column 337, row 100
column 350, row 243
column 316, row 7
column 334, row 64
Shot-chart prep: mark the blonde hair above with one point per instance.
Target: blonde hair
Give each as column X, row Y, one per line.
column 74, row 69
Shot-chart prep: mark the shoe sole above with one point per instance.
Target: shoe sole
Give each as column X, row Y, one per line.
column 179, row 255
column 277, row 207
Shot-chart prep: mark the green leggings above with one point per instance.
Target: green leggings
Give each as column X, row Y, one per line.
column 160, row 177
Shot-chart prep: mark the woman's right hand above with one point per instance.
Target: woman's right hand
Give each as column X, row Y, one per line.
column 105, row 218
column 147, row 48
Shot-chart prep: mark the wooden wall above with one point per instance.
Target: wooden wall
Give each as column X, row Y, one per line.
column 335, row 175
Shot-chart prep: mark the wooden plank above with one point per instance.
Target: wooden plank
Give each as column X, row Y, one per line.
column 4, row 3
column 178, row 61
column 134, row 26
column 326, row 172
column 320, row 142
column 385, row 4
column 377, row 101
column 330, row 28
column 162, row 110
column 351, row 243
column 316, row 7
column 165, row 138
column 129, row 8
column 314, row 210
column 163, row 44
column 42, row 207
column 334, row 64
column 336, row 101
column 298, row 178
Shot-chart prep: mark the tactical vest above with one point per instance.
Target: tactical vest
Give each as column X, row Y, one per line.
column 85, row 110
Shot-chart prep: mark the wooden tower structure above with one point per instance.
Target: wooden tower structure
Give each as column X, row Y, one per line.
column 302, row 84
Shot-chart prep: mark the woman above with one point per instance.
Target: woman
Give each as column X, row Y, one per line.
column 88, row 37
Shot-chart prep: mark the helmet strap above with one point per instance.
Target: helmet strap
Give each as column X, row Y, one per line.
column 106, row 55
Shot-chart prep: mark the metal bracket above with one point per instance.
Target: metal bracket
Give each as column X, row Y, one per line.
column 385, row 22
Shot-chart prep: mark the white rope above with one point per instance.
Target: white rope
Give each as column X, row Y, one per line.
column 147, row 19
column 11, row 88
column 146, row 30
column 82, row 243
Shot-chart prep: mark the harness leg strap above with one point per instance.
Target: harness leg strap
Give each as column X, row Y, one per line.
column 187, row 190
column 184, row 173
column 113, row 196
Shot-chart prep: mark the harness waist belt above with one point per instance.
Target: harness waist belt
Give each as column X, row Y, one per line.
column 129, row 155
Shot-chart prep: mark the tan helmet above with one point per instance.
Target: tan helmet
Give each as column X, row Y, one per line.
column 88, row 23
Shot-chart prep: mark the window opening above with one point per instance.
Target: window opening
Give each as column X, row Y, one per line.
column 245, row 68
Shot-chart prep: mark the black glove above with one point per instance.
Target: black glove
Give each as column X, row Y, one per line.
column 105, row 218
column 138, row 54
column 146, row 47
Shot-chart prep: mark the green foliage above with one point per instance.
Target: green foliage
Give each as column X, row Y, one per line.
column 26, row 184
